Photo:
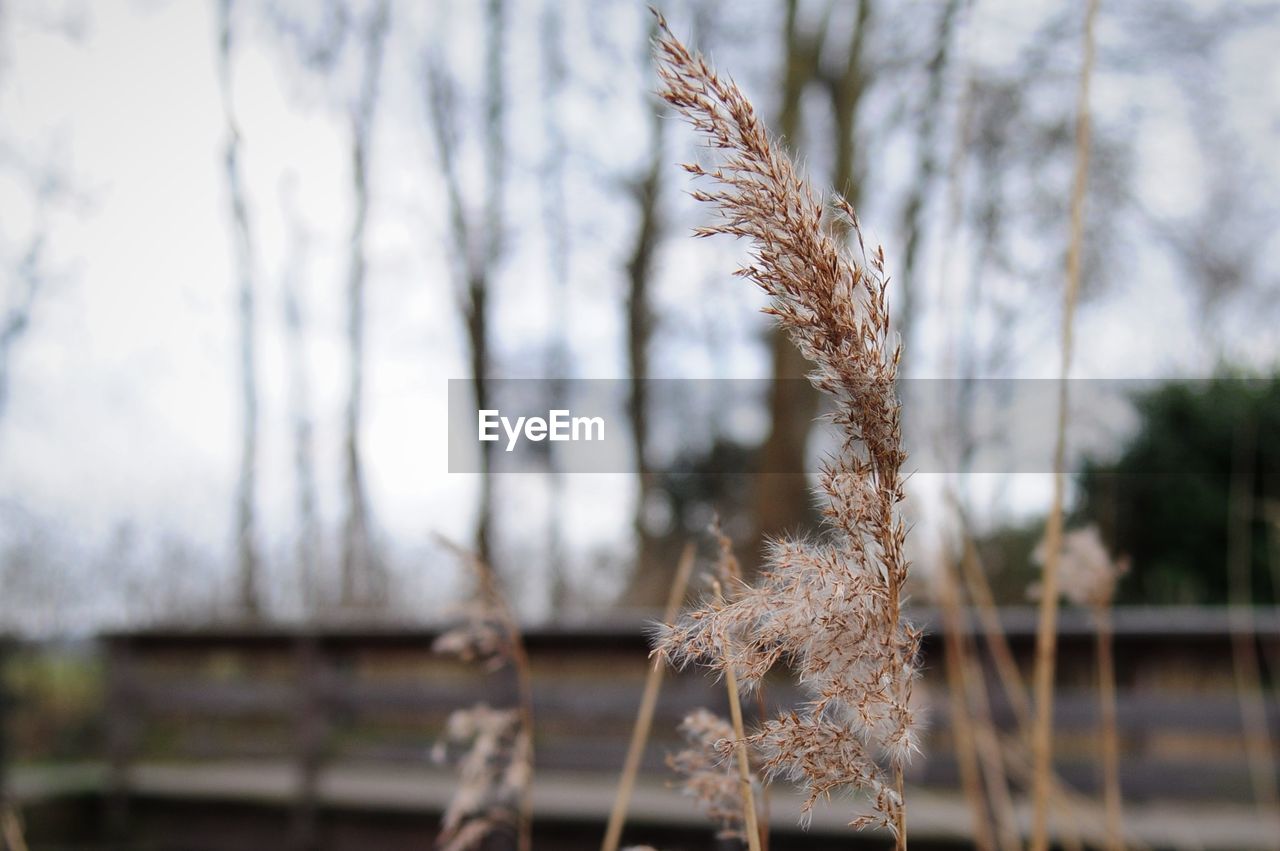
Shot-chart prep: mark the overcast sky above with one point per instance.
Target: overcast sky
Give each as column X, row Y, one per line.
column 123, row 405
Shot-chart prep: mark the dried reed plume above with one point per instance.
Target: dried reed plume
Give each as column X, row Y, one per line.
column 492, row 775
column 729, row 573
column 1047, row 629
column 710, row 776
column 1087, row 577
column 832, row 607
column 496, row 765
column 11, row 828
column 644, row 713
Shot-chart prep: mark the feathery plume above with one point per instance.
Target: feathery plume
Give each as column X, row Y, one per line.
column 492, row 774
column 831, row 608
column 496, row 762
column 1087, row 576
column 1087, row 573
column 708, row 773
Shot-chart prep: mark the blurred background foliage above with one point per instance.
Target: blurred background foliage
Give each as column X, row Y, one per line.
column 1167, row 500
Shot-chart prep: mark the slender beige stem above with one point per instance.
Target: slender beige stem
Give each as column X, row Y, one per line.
column 730, row 574
column 744, row 766
column 991, row 757
column 11, row 828
column 762, row 711
column 491, row 590
column 986, row 741
column 644, row 717
column 1272, row 513
column 1244, row 650
column 993, row 633
column 524, row 684
column 961, row 725
column 1047, row 636
column 900, row 812
column 1110, row 734
column 1013, row 748
column 728, row 566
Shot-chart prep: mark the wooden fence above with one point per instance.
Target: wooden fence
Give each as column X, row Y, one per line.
column 349, row 698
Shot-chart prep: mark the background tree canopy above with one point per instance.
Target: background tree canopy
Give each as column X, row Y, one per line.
column 1167, row 500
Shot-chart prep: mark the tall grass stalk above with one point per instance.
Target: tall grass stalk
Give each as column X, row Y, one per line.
column 1110, row 732
column 730, row 574
column 751, row 825
column 962, row 727
column 1089, row 578
column 499, row 764
column 990, row 754
column 1015, row 749
column 644, row 716
column 11, row 828
column 1046, row 639
column 1244, row 649
column 832, row 608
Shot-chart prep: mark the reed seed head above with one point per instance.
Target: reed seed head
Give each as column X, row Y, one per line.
column 831, row 607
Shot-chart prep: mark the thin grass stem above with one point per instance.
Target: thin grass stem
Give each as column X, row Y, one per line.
column 644, row 716
column 1047, row 634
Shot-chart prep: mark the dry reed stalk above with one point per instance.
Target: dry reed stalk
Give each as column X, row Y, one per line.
column 962, row 728
column 644, row 716
column 1014, row 749
column 1088, row 578
column 1047, row 635
column 499, row 763
column 993, row 632
column 987, row 742
column 1272, row 514
column 1110, row 736
column 764, row 813
column 710, row 772
column 750, row 824
column 1244, row 650
column 11, row 828
column 725, row 792
column 831, row 608
column 730, row 575
column 991, row 756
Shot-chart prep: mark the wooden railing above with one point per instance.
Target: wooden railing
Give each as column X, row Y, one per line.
column 319, row 698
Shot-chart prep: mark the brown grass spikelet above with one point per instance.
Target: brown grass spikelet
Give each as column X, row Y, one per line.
column 1087, row 572
column 493, row 771
column 708, row 773
column 495, row 759
column 831, row 608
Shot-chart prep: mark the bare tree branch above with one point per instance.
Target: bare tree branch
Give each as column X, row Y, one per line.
column 363, row 582
column 477, row 248
column 300, row 415
column 246, row 531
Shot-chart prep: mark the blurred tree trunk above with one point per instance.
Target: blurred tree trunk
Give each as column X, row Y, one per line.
column 363, row 582
column 650, row 575
column 29, row 272
column 477, row 249
column 308, row 541
column 17, row 316
column 555, row 209
column 247, row 558
column 495, row 184
column 783, row 499
column 927, row 168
